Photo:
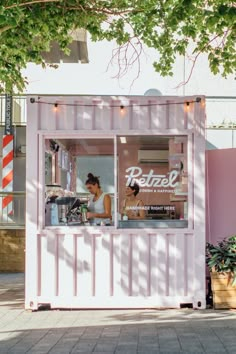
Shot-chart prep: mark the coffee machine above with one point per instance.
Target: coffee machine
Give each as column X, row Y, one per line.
column 68, row 210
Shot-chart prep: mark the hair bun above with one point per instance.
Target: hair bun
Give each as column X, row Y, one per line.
column 90, row 175
column 93, row 180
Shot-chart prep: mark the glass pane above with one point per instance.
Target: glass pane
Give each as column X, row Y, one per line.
column 48, row 168
column 82, row 192
column 152, row 181
column 102, row 165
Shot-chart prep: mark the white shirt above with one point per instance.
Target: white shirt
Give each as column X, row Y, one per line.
column 97, row 207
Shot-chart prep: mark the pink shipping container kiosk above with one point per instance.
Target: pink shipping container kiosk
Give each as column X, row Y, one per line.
column 150, row 251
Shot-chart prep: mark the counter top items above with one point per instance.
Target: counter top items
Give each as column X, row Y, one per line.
column 57, row 191
column 51, row 199
column 84, row 211
column 161, row 212
column 68, row 209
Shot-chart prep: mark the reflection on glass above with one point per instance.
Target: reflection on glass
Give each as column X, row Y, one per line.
column 152, row 181
column 133, row 207
column 48, row 168
column 81, row 189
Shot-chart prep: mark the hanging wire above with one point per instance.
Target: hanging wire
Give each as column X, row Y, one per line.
column 121, row 106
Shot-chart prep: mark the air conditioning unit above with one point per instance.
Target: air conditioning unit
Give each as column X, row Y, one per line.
column 153, row 156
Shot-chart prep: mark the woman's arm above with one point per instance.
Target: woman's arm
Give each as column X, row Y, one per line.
column 123, row 205
column 107, row 210
column 141, row 212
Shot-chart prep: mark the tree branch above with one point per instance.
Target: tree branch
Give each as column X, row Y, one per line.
column 30, row 3
column 6, row 28
column 102, row 10
column 79, row 7
column 194, row 60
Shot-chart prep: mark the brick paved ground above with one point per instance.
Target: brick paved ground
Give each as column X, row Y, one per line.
column 103, row 331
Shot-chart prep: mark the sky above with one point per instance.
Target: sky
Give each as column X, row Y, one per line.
column 96, row 78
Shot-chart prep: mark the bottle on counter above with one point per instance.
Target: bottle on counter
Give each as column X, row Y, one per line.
column 54, row 214
column 84, row 211
column 125, row 216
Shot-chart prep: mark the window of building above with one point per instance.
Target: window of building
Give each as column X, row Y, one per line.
column 83, row 189
column 152, row 181
column 125, row 181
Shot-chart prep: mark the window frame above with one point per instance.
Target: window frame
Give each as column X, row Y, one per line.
column 42, row 136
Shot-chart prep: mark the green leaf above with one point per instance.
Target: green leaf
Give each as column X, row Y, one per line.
column 167, row 26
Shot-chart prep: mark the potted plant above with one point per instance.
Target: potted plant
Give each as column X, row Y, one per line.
column 221, row 260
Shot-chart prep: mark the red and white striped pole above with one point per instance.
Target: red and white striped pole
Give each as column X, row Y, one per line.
column 7, row 175
column 7, row 161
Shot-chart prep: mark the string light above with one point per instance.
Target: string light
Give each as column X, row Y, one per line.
column 55, row 107
column 203, row 103
column 187, row 106
column 122, row 107
column 122, row 110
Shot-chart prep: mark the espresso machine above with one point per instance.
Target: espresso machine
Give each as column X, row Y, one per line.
column 68, row 210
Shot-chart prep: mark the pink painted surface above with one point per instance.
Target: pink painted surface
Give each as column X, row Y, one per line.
column 221, row 194
column 103, row 267
column 145, row 268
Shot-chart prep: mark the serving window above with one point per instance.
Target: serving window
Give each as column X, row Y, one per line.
column 143, row 182
column 76, row 199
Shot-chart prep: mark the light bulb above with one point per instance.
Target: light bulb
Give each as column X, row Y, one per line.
column 122, row 110
column 187, row 106
column 55, row 108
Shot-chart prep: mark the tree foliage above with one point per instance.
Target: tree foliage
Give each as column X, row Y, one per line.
column 28, row 27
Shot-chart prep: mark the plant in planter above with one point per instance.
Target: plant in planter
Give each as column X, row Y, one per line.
column 221, row 260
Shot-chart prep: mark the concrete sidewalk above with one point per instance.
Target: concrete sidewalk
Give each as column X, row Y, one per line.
column 109, row 331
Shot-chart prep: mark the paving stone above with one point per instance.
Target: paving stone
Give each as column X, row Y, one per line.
column 148, row 351
column 148, row 348
column 83, row 347
column 96, row 352
column 127, row 347
column 194, row 352
column 148, row 340
column 101, row 341
column 125, row 351
column 113, row 331
column 105, row 347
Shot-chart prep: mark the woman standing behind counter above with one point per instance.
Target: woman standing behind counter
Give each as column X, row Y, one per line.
column 133, row 207
column 99, row 204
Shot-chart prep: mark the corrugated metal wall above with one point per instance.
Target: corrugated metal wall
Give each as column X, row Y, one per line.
column 107, row 267
column 116, row 269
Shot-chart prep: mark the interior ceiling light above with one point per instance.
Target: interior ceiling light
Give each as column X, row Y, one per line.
column 123, row 140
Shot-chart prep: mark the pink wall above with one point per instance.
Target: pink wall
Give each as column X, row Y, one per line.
column 221, row 194
column 112, row 267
